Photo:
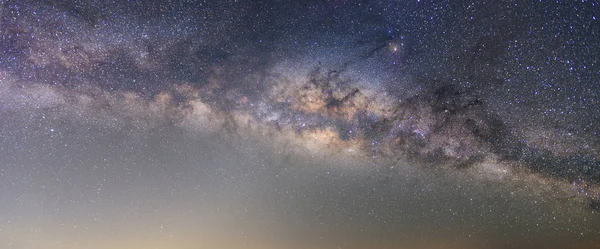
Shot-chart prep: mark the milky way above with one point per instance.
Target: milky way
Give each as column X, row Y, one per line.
column 305, row 124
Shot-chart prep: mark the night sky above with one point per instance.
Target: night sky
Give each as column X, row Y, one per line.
column 299, row 124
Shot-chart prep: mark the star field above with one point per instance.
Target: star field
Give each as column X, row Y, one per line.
column 299, row 124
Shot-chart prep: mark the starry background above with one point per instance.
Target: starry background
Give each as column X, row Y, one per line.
column 299, row 124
